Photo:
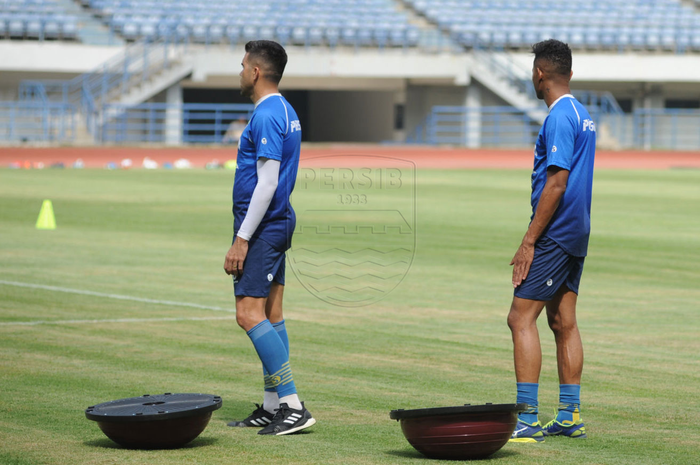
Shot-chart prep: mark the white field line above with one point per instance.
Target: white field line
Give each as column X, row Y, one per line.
column 112, row 296
column 115, row 320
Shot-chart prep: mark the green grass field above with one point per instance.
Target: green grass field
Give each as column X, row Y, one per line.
column 439, row 339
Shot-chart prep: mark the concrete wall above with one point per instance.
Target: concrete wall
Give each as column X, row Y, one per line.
column 350, row 116
column 420, row 99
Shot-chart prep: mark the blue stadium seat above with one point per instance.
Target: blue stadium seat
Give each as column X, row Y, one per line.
column 52, row 30
column 15, row 26
column 299, row 35
column 199, row 33
column 283, row 34
column 35, row 28
column 131, row 30
column 377, row 17
column 266, row 32
column 249, row 33
column 591, row 25
column 364, row 37
column 349, row 36
column 381, row 36
column 233, row 34
column 315, row 36
column 332, row 35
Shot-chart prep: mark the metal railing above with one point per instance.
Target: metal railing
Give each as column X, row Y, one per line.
column 163, row 123
column 477, row 127
column 37, row 121
column 116, row 77
column 668, row 129
column 647, row 129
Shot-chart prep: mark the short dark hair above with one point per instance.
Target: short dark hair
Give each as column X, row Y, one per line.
column 271, row 54
column 556, row 53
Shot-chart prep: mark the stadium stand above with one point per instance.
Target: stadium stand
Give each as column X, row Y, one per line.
column 36, row 19
column 303, row 22
column 452, row 72
column 616, row 25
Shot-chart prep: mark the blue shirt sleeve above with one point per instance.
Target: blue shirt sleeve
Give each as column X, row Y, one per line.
column 560, row 137
column 267, row 131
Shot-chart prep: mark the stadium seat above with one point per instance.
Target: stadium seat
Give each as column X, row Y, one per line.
column 35, row 28
column 283, row 34
column 377, row 17
column 349, row 36
column 315, row 36
column 332, row 35
column 15, row 27
column 199, row 33
column 51, row 29
column 299, row 35
column 130, row 31
column 233, row 34
column 364, row 37
column 592, row 25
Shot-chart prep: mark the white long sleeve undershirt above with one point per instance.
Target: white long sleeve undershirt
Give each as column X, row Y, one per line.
column 268, row 176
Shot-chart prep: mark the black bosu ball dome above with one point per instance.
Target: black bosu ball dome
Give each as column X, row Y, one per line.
column 164, row 421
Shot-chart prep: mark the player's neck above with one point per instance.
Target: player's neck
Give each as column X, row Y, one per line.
column 554, row 92
column 264, row 91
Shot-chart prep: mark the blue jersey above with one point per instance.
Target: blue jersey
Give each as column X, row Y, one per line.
column 567, row 140
column 273, row 132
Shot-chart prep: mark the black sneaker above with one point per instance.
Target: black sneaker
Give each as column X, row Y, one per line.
column 259, row 418
column 288, row 421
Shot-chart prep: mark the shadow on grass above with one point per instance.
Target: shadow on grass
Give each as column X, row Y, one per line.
column 414, row 454
column 105, row 443
column 234, row 410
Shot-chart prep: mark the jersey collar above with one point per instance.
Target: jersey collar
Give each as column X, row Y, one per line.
column 557, row 100
column 262, row 99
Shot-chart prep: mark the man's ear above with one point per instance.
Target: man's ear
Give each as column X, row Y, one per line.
column 540, row 73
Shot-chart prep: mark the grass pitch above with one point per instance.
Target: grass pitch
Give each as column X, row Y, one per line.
column 439, row 339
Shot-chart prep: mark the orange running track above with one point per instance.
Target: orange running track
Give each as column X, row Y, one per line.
column 345, row 155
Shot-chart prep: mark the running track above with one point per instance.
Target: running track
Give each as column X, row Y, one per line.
column 345, row 155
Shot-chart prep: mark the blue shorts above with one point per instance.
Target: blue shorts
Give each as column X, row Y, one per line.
column 263, row 265
column 551, row 268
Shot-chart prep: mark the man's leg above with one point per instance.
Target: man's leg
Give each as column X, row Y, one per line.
column 250, row 313
column 561, row 315
column 273, row 311
column 527, row 355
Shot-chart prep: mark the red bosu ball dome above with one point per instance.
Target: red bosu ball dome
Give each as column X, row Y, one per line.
column 459, row 433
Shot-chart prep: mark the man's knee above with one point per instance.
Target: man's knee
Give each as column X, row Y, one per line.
column 249, row 312
column 523, row 313
column 560, row 325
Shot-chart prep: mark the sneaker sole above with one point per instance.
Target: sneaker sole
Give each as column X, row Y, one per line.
column 240, row 424
column 580, row 436
column 309, row 422
column 525, row 440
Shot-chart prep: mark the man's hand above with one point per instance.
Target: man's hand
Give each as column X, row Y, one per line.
column 233, row 264
column 521, row 262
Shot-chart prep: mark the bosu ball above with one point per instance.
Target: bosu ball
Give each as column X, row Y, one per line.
column 165, row 421
column 459, row 433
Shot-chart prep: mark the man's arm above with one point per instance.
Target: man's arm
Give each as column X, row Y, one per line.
column 551, row 195
column 268, row 176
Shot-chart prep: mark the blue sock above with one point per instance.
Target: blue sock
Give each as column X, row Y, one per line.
column 282, row 333
column 274, row 357
column 527, row 394
column 569, row 403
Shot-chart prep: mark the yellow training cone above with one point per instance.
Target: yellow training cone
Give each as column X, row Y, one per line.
column 46, row 219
